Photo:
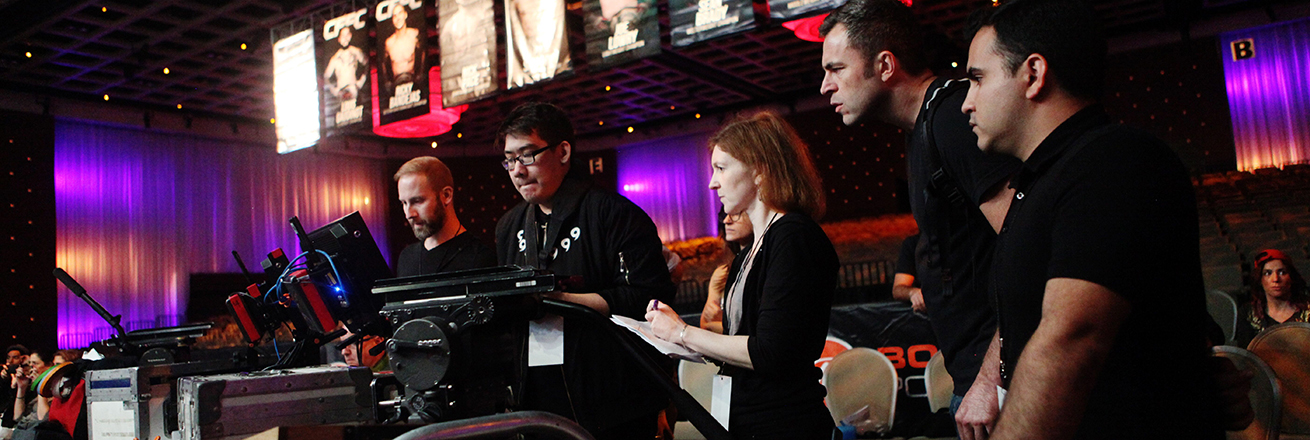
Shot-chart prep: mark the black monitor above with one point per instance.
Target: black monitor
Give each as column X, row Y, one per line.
column 359, row 264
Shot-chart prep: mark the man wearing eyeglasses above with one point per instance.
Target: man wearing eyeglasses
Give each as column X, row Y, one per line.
column 566, row 226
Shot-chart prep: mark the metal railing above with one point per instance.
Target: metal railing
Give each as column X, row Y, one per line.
column 500, row 426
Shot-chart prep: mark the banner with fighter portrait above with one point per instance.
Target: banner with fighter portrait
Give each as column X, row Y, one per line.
column 693, row 21
column 402, row 69
column 791, row 9
column 619, row 31
column 466, row 32
column 538, row 44
column 343, row 47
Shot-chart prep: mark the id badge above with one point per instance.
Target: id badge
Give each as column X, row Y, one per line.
column 721, row 399
column 546, row 341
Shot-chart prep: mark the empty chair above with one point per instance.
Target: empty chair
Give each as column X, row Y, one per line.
column 940, row 385
column 1223, row 309
column 1286, row 348
column 862, row 379
column 1224, row 254
column 1226, row 277
column 1266, row 399
column 1252, row 239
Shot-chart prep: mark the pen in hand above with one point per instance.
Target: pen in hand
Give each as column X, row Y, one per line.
column 655, row 305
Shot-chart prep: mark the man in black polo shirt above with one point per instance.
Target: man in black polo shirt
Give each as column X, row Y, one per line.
column 606, row 243
column 1096, row 273
column 427, row 195
column 876, row 70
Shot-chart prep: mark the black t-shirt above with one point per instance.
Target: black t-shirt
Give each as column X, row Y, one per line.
column 461, row 252
column 955, row 250
column 1119, row 212
column 905, row 261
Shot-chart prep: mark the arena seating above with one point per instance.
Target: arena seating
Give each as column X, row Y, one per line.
column 1240, row 213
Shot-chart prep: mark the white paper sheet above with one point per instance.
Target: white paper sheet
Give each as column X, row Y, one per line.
column 112, row 421
column 546, row 341
column 642, row 329
column 721, row 399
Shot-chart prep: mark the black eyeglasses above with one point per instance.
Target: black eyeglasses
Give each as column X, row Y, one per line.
column 525, row 159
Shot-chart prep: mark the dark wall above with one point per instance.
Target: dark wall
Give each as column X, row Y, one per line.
column 28, row 299
column 862, row 166
column 1177, row 93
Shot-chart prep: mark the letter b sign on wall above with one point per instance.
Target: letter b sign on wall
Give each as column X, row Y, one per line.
column 1243, row 49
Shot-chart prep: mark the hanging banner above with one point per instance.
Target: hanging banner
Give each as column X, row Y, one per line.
column 467, row 36
column 402, row 72
column 295, row 92
column 789, row 9
column 343, row 48
column 538, row 48
column 619, row 31
column 694, row 21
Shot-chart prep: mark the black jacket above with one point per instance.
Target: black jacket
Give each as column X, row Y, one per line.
column 786, row 302
column 613, row 245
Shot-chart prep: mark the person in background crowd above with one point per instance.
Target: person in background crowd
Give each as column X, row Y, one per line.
column 1278, row 295
column 905, row 287
column 65, row 356
column 16, row 356
column 736, row 235
column 776, row 311
column 30, row 408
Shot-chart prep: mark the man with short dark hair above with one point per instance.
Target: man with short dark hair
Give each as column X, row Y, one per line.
column 427, row 195
column 1097, row 273
column 566, row 226
column 16, row 355
column 873, row 53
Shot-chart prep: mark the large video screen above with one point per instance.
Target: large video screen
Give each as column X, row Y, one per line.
column 538, row 46
column 467, row 36
column 343, row 47
column 295, row 92
column 402, row 49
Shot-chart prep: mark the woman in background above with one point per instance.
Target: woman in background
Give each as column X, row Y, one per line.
column 30, row 408
column 1278, row 295
column 776, row 310
column 736, row 235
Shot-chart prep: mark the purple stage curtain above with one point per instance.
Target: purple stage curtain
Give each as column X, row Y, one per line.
column 1269, row 95
column 139, row 211
column 669, row 178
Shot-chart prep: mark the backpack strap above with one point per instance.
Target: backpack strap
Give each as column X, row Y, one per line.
column 941, row 184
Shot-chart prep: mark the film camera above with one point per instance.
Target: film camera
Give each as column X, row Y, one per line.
column 459, row 339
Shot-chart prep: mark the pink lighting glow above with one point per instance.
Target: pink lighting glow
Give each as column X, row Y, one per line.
column 437, row 122
column 807, row 28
